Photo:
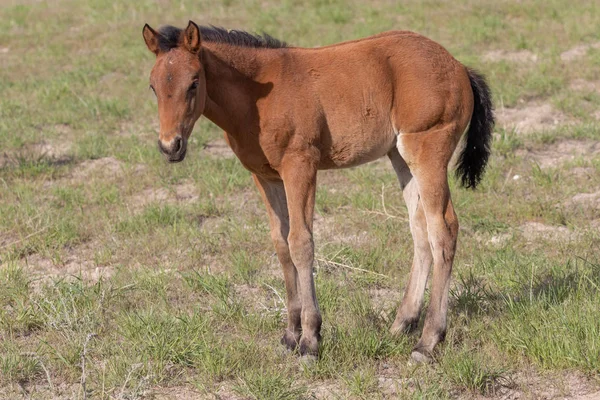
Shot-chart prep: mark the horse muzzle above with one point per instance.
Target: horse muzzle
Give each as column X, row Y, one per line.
column 175, row 150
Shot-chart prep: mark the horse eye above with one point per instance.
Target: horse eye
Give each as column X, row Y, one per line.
column 194, row 85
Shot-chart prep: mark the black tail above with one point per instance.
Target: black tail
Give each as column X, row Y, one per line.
column 476, row 152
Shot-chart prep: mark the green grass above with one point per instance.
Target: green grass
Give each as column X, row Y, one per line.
column 161, row 279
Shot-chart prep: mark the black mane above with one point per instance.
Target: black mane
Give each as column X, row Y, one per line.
column 168, row 38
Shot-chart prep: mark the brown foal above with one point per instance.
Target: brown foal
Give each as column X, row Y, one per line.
column 288, row 112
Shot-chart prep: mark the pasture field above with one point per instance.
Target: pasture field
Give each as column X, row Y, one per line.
column 123, row 277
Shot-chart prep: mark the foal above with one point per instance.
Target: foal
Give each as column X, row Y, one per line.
column 288, row 112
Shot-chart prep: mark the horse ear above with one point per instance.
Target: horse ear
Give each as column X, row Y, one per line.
column 191, row 37
column 151, row 39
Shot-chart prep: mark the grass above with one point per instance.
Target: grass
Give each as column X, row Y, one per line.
column 124, row 277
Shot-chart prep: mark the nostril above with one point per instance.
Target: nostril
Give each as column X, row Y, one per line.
column 177, row 144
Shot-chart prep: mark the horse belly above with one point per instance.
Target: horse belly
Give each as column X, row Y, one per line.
column 365, row 143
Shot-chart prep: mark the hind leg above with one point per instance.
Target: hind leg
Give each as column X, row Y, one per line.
column 407, row 317
column 427, row 155
column 442, row 226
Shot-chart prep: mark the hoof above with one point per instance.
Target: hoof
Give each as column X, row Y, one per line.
column 289, row 341
column 420, row 358
column 309, row 347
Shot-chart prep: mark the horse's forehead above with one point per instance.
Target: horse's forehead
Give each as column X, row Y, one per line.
column 173, row 63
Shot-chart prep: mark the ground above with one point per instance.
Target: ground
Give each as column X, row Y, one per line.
column 123, row 277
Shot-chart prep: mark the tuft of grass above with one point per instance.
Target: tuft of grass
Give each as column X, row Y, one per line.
column 245, row 266
column 472, row 373
column 164, row 339
column 17, row 366
column 506, row 143
column 555, row 322
column 362, row 383
column 273, row 386
column 151, row 218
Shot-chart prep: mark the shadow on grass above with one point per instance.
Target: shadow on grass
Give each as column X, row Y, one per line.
column 473, row 296
column 29, row 164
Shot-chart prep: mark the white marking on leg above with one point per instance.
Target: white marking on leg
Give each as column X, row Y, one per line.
column 400, row 145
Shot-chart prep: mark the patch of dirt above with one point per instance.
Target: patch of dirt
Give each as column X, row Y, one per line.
column 183, row 193
column 500, row 240
column 64, row 129
column 78, row 262
column 519, row 56
column 108, row 167
column 186, row 192
column 530, row 118
column 591, row 396
column 148, row 196
column 179, row 393
column 327, row 230
column 390, row 385
column 585, row 86
column 561, row 152
column 585, row 200
column 219, row 148
column 537, row 230
column 385, row 299
column 7, row 239
column 328, row 390
column 255, row 298
column 578, row 51
column 583, row 172
column 5, row 160
column 566, row 385
column 31, row 390
column 55, row 153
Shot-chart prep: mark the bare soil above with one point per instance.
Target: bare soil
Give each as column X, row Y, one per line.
column 578, row 51
column 530, row 117
column 585, row 86
column 586, row 200
column 56, row 152
column 183, row 193
column 78, row 262
column 536, row 230
column 385, row 299
column 585, row 173
column 518, row 56
column 107, row 167
column 555, row 154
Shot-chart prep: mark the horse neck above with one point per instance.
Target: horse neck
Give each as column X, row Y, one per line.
column 235, row 80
